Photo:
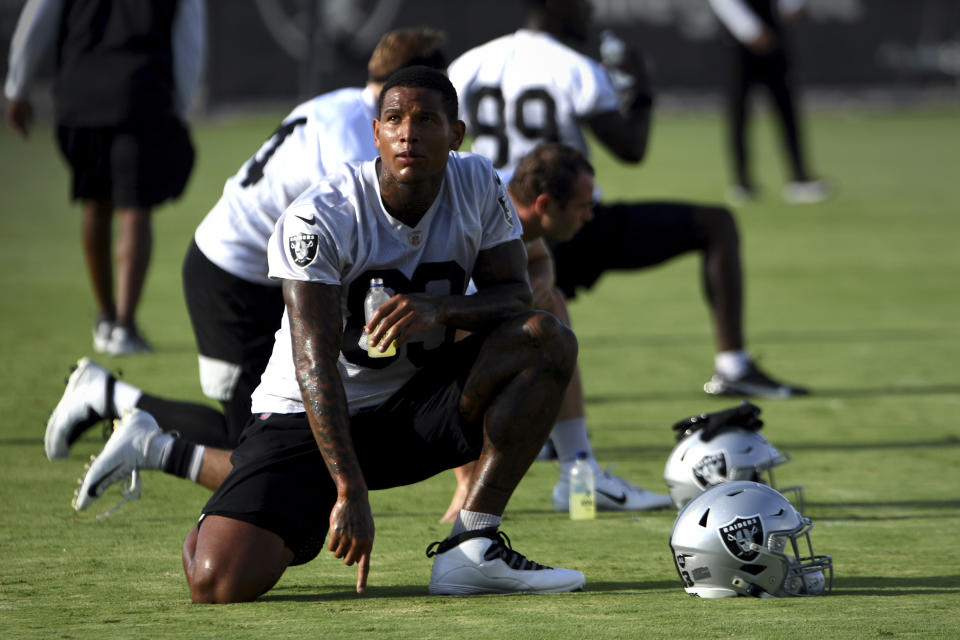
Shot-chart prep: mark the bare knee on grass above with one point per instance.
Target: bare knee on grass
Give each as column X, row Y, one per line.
column 227, row 560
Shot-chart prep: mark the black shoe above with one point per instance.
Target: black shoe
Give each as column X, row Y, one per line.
column 753, row 383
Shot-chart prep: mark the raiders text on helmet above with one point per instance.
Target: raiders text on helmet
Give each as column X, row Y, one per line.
column 743, row 538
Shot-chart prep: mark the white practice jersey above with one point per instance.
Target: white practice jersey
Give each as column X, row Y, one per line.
column 314, row 140
column 338, row 232
column 526, row 88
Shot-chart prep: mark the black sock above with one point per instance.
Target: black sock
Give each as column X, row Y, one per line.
column 179, row 459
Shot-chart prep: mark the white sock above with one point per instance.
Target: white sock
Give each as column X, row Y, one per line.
column 569, row 437
column 732, row 364
column 125, row 396
column 196, row 461
column 474, row 520
column 158, row 448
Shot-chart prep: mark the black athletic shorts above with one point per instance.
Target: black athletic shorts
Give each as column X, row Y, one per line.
column 234, row 322
column 138, row 165
column 279, row 480
column 625, row 236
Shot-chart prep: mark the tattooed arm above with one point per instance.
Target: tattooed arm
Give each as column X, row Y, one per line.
column 315, row 331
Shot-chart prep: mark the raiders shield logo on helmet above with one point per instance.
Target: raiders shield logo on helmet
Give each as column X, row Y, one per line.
column 711, row 470
column 303, row 248
column 739, row 536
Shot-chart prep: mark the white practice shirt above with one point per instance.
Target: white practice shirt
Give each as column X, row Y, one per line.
column 315, row 139
column 338, row 232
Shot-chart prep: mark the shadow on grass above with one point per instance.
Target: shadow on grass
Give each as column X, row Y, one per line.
column 902, row 504
column 815, row 393
column 829, row 510
column 895, row 586
column 404, row 591
column 855, row 336
column 419, row 591
column 849, row 586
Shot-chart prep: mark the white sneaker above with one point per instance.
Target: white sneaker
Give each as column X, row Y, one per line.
column 127, row 341
column 738, row 195
column 123, row 455
column 87, row 400
column 483, row 561
column 613, row 494
column 101, row 335
column 806, row 192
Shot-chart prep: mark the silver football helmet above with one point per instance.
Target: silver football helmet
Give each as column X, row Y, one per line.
column 732, row 454
column 743, row 538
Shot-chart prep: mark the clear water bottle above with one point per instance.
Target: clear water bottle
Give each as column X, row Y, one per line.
column 583, row 498
column 376, row 296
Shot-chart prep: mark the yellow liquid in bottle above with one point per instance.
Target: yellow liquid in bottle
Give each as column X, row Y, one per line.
column 373, row 352
column 582, row 506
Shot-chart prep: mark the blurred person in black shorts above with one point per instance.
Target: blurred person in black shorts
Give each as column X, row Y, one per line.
column 758, row 55
column 234, row 307
column 126, row 73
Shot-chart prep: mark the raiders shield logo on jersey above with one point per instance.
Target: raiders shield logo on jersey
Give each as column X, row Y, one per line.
column 303, row 248
column 739, row 536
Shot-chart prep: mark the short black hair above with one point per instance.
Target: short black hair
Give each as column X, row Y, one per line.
column 420, row 77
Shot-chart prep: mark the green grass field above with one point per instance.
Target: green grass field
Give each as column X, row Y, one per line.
column 857, row 297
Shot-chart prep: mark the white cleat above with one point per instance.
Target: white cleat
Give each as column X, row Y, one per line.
column 127, row 341
column 83, row 404
column 738, row 195
column 483, row 561
column 122, row 457
column 806, row 192
column 101, row 335
column 613, row 494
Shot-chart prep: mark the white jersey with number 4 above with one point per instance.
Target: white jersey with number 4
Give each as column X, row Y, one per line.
column 526, row 88
column 316, row 138
column 339, row 233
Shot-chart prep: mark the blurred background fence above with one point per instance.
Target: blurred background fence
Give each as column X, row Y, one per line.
column 277, row 51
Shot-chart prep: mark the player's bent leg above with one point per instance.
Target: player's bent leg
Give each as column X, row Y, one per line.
column 722, row 274
column 227, row 560
column 515, row 385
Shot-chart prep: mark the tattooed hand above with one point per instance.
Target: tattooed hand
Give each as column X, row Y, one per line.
column 351, row 535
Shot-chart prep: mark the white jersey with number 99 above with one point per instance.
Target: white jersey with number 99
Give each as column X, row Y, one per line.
column 526, row 88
